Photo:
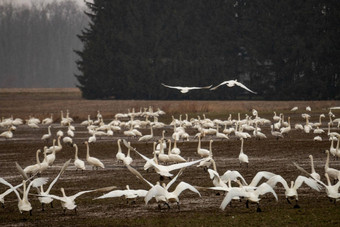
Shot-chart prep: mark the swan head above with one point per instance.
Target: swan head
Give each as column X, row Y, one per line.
column 327, row 151
column 127, row 187
column 310, row 156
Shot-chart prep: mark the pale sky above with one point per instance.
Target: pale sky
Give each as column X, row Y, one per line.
column 28, row 2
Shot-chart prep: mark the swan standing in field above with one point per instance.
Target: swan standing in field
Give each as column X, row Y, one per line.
column 275, row 133
column 204, row 153
column 332, row 173
column 78, row 163
column 146, row 138
column 221, row 135
column 186, row 89
column 33, row 169
column 331, row 190
column 128, row 160
column 128, row 193
column 47, row 136
column 48, row 200
column 94, row 162
column 120, row 155
column 295, row 108
column 175, row 149
column 243, row 158
column 23, row 203
column 68, row 140
column 51, row 157
column 174, row 157
column 257, row 134
column 232, row 83
column 162, row 156
column 313, row 173
column 291, row 192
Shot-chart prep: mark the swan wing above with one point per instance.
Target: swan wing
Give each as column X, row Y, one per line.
column 184, row 186
column 138, row 175
column 156, row 190
column 174, row 87
column 60, row 173
column 213, row 173
column 37, row 183
column 301, row 169
column 73, row 197
column 182, row 165
column 205, row 87
column 259, row 176
column 3, row 181
column 174, row 179
column 116, row 193
column 234, row 192
column 244, row 87
column 277, row 179
column 223, row 83
column 233, row 176
column 55, row 197
column 265, row 188
column 140, row 192
column 309, row 181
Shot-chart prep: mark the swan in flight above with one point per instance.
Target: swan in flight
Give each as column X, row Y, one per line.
column 68, row 202
column 252, row 196
column 23, row 203
column 313, row 173
column 48, row 200
column 232, row 83
column 128, row 193
column 186, row 89
column 163, row 171
column 291, row 192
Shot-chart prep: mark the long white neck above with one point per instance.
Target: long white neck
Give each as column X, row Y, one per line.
column 59, row 144
column 312, row 164
column 175, row 144
column 37, row 156
column 337, row 145
column 210, row 147
column 87, row 150
column 128, row 153
column 49, row 130
column 327, row 161
column 169, row 151
column 241, row 147
column 76, row 153
column 151, row 131
column 119, row 147
column 24, row 193
column 199, row 143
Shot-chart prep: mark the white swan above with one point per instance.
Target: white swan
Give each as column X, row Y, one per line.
column 186, row 89
column 252, row 196
column 78, row 163
column 23, row 203
column 163, row 171
column 162, row 156
column 94, row 162
column 128, row 160
column 120, row 155
column 146, row 138
column 221, row 135
column 313, row 173
column 232, row 83
column 291, row 192
column 48, row 200
column 295, row 108
column 175, row 149
column 48, row 120
column 128, row 193
column 47, row 136
column 68, row 202
column 7, row 134
column 204, row 153
column 332, row 173
column 174, row 157
column 243, row 158
column 51, row 157
column 33, row 169
column 275, row 133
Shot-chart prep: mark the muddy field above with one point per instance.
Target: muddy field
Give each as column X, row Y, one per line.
column 264, row 155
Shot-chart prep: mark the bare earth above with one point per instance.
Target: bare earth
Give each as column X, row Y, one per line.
column 264, row 155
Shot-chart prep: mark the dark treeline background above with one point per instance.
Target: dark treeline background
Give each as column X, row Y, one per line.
column 37, row 42
column 281, row 49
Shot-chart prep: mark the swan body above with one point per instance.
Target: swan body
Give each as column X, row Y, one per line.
column 146, row 138
column 232, row 83
column 94, row 162
column 128, row 160
column 78, row 163
column 332, row 173
column 204, row 153
column 127, row 193
column 120, row 155
column 185, row 89
column 243, row 158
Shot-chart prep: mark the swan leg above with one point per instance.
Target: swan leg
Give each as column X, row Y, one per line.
column 296, row 204
column 51, row 204
column 2, row 205
column 64, row 211
column 159, row 206
column 42, row 207
column 168, row 205
column 258, row 208
column 75, row 210
column 161, row 178
column 179, row 208
column 288, row 201
column 247, row 203
column 30, row 212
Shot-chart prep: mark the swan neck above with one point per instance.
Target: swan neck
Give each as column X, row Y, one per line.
column 76, row 154
column 169, row 151
column 87, row 150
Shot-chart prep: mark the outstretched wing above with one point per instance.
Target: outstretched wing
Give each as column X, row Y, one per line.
column 259, row 176
column 174, row 179
column 244, row 87
column 173, row 87
column 182, row 165
column 232, row 175
column 57, row 177
column 116, row 193
column 184, row 186
column 156, row 190
column 234, row 192
column 265, row 188
column 309, row 181
column 277, row 179
column 206, row 87
column 223, row 83
column 138, row 175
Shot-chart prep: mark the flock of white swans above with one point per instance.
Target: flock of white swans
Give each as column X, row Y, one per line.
column 166, row 157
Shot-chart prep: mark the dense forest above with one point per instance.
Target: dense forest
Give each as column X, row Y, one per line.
column 37, row 43
column 281, row 49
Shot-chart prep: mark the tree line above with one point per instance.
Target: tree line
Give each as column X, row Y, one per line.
column 281, row 49
column 37, row 43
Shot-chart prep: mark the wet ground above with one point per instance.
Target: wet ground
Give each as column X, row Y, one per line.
column 264, row 155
